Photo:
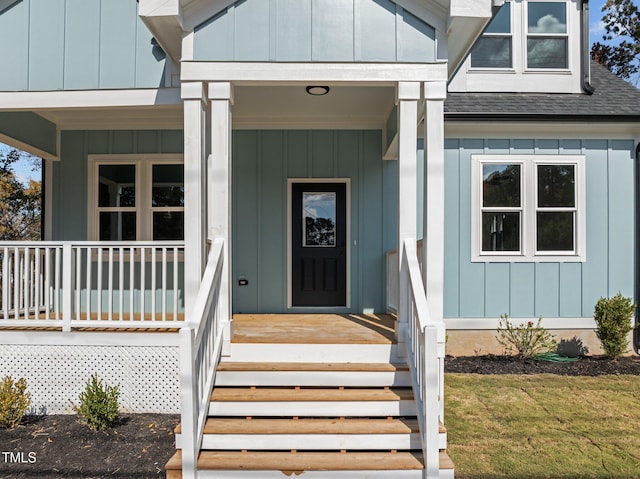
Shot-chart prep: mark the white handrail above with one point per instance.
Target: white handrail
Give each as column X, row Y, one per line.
column 423, row 351
column 200, row 349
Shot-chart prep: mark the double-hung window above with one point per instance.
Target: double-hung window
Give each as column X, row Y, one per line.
column 528, row 208
column 494, row 49
column 547, row 35
column 136, row 197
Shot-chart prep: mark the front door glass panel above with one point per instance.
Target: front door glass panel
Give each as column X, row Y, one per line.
column 319, row 219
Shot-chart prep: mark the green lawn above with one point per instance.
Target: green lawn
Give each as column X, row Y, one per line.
column 543, row 426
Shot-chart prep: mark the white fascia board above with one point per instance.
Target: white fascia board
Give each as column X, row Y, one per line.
column 467, row 20
column 282, row 74
column 542, row 130
column 15, row 101
column 479, row 324
column 163, row 18
column 87, row 338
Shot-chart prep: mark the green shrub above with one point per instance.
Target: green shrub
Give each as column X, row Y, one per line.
column 613, row 321
column 98, row 404
column 525, row 340
column 14, row 401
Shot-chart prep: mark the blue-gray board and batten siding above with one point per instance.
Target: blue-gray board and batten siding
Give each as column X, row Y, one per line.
column 548, row 289
column 77, row 45
column 262, row 163
column 318, row 30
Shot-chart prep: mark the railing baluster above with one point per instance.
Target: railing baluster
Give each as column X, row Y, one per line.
column 175, row 283
column 5, row 283
column 25, row 277
column 37, row 284
column 78, row 281
column 132, row 277
column 16, row 283
column 89, row 282
column 153, row 283
column 57, row 271
column 143, row 285
column 164, row 284
column 47, row 282
column 99, row 284
column 121, row 285
column 110, row 291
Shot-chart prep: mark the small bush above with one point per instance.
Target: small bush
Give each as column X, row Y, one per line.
column 98, row 404
column 613, row 321
column 14, row 401
column 524, row 340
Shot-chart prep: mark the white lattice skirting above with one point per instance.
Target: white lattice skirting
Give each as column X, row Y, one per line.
column 148, row 377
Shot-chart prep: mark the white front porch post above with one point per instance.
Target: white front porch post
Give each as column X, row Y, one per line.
column 433, row 215
column 408, row 96
column 194, row 97
column 433, row 207
column 219, row 192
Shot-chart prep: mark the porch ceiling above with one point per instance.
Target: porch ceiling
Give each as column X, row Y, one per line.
column 260, row 107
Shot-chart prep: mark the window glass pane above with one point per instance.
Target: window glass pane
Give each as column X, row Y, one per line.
column 117, row 185
column 556, row 186
column 500, row 185
column 555, row 231
column 491, row 52
column 168, row 225
column 500, row 231
column 546, row 52
column 117, row 226
column 547, row 17
column 168, row 185
column 501, row 23
column 319, row 219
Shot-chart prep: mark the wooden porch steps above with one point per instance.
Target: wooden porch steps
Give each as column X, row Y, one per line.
column 332, row 405
column 306, row 463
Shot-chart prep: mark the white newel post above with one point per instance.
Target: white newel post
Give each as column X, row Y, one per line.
column 408, row 97
column 219, row 192
column 194, row 97
column 433, row 211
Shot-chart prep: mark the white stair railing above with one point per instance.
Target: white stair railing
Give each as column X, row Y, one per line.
column 200, row 348
column 425, row 351
column 91, row 284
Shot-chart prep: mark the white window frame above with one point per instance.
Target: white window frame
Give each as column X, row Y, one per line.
column 144, row 184
column 529, row 192
column 525, row 35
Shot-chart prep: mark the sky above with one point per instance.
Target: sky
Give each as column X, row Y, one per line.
column 23, row 170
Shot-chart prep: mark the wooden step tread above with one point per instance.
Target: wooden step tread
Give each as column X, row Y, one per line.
column 309, row 426
column 282, row 366
column 308, row 461
column 309, row 394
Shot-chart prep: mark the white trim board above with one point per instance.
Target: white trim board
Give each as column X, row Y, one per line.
column 290, row 182
column 87, row 338
column 477, row 324
column 21, row 145
column 89, row 98
column 282, row 73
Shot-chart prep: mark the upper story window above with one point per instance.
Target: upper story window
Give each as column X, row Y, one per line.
column 494, row 49
column 547, row 35
column 528, row 208
column 136, row 199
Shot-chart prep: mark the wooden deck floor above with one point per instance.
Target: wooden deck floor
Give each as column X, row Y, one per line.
column 314, row 328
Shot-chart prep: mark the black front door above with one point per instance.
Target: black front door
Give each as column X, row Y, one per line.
column 319, row 244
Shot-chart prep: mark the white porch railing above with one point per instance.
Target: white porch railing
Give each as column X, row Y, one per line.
column 200, row 348
column 392, row 276
column 91, row 284
column 425, row 352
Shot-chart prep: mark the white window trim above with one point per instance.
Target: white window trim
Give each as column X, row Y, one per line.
column 144, row 211
column 524, row 37
column 528, row 251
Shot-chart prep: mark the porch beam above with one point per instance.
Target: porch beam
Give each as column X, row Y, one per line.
column 219, row 190
column 194, row 96
column 433, row 207
column 242, row 74
column 408, row 96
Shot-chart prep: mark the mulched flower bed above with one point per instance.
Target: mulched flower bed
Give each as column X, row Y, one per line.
column 58, row 446
column 586, row 366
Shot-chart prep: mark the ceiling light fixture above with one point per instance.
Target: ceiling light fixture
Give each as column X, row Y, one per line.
column 317, row 90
